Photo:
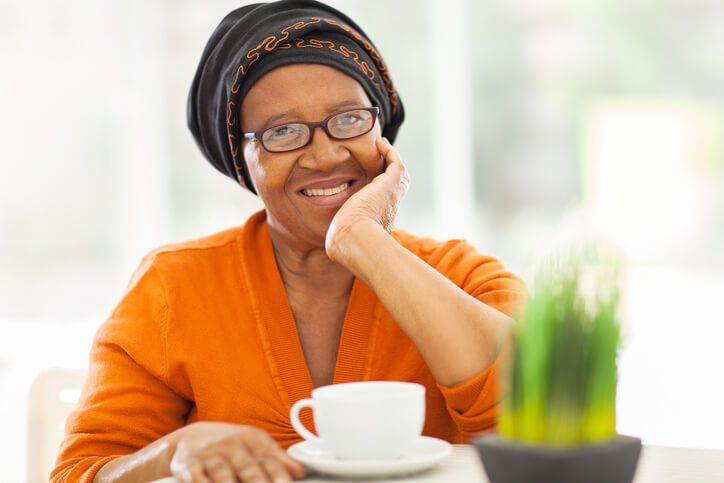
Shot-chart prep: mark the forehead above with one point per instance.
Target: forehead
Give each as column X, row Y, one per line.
column 307, row 92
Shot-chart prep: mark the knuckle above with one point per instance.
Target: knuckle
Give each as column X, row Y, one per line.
column 261, row 441
column 240, row 458
column 187, row 471
column 271, row 461
column 251, row 473
column 254, row 432
column 275, row 469
column 215, row 464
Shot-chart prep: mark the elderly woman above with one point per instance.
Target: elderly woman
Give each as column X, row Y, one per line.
column 195, row 371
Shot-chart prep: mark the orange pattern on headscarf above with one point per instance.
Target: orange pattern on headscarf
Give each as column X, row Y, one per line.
column 269, row 44
column 234, row 147
column 342, row 50
column 273, row 43
column 232, row 119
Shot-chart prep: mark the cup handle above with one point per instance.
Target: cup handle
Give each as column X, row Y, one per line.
column 297, row 423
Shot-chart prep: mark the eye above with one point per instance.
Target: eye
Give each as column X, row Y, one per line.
column 348, row 118
column 350, row 124
column 285, row 137
column 282, row 131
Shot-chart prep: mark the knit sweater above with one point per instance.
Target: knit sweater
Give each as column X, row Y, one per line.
column 205, row 333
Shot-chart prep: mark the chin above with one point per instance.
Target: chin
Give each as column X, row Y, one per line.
column 308, row 236
column 321, row 233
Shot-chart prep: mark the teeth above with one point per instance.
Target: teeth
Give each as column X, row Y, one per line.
column 326, row 191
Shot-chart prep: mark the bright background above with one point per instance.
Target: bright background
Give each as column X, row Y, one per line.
column 530, row 124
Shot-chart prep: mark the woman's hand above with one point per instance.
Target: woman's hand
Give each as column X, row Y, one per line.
column 209, row 452
column 376, row 204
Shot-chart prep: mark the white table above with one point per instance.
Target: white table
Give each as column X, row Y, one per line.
column 658, row 464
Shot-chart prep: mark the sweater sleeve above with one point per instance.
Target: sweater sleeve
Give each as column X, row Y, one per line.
column 481, row 276
column 126, row 402
column 473, row 403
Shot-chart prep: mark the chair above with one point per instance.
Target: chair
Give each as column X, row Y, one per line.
column 53, row 394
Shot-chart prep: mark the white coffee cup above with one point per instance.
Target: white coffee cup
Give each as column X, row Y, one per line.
column 369, row 420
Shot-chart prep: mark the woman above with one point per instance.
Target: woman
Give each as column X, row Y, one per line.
column 196, row 369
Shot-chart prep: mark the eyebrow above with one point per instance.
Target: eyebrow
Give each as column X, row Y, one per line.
column 271, row 120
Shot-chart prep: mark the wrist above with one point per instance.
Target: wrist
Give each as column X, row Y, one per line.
column 353, row 243
column 147, row 464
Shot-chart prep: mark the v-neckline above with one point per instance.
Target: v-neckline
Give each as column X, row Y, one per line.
column 278, row 331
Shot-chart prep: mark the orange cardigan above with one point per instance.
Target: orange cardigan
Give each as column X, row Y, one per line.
column 205, row 332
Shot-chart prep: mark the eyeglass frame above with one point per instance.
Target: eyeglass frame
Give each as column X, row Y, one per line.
column 313, row 127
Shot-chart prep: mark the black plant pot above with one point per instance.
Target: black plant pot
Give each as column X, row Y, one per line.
column 507, row 461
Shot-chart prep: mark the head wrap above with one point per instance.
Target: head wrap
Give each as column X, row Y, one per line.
column 257, row 38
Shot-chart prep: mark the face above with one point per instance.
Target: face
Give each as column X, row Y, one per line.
column 303, row 189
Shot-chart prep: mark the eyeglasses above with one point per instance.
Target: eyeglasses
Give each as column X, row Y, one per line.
column 294, row 135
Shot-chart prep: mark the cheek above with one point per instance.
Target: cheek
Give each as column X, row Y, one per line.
column 251, row 158
column 257, row 165
column 268, row 172
column 378, row 164
column 370, row 157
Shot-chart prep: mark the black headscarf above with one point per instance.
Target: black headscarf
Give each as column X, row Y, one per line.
column 255, row 39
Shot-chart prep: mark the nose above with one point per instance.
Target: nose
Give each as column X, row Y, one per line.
column 323, row 153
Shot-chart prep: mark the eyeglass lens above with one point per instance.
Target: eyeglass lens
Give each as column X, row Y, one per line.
column 344, row 125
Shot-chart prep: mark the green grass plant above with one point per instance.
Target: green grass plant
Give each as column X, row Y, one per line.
column 560, row 377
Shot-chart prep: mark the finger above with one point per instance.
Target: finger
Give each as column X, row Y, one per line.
column 383, row 146
column 219, row 470
column 191, row 472
column 395, row 164
column 397, row 177
column 390, row 153
column 399, row 173
column 405, row 184
column 271, row 449
column 395, row 169
column 252, row 473
column 245, row 465
column 292, row 467
column 275, row 469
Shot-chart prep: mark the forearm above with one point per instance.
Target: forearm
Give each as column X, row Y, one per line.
column 147, row 464
column 457, row 335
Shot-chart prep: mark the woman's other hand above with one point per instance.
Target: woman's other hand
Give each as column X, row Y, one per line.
column 374, row 205
column 209, row 452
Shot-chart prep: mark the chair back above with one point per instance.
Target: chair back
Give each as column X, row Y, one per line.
column 53, row 394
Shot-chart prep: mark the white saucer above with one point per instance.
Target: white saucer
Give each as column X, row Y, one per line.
column 423, row 454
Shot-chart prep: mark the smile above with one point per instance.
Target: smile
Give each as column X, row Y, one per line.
column 311, row 192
